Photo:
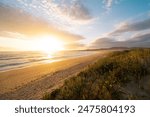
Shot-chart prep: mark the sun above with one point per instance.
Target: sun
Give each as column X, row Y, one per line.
column 49, row 44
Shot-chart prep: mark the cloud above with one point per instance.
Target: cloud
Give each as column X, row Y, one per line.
column 109, row 3
column 18, row 23
column 142, row 40
column 12, row 35
column 75, row 10
column 132, row 33
column 68, row 12
column 131, row 27
column 126, row 34
column 105, row 42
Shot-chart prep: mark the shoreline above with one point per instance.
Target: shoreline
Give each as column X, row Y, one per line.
column 35, row 80
column 43, row 62
column 27, row 66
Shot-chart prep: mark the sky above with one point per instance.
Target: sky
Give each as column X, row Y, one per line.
column 74, row 24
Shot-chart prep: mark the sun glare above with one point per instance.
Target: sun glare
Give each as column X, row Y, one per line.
column 49, row 44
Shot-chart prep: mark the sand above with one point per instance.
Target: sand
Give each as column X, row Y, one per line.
column 33, row 82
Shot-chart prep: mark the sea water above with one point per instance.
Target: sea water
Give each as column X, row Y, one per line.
column 18, row 59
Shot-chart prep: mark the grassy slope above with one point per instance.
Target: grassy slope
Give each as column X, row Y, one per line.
column 122, row 75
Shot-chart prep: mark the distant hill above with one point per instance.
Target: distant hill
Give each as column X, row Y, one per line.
column 112, row 48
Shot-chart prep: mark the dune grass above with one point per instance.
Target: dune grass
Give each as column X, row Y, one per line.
column 121, row 75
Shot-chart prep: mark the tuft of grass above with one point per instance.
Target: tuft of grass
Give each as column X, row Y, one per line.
column 107, row 78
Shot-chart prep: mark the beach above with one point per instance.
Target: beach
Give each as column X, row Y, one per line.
column 33, row 82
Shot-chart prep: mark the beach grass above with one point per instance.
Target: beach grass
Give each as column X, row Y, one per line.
column 121, row 75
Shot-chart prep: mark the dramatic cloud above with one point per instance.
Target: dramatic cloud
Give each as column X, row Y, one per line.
column 105, row 42
column 68, row 12
column 141, row 38
column 75, row 10
column 17, row 23
column 136, row 41
column 134, row 33
column 130, row 27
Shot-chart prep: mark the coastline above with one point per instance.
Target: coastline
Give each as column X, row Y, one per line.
column 28, row 60
column 32, row 82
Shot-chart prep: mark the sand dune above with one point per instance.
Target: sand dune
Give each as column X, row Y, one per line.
column 33, row 82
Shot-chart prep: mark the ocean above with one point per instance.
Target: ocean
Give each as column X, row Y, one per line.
column 16, row 59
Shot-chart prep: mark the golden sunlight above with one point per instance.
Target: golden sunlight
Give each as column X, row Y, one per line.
column 49, row 44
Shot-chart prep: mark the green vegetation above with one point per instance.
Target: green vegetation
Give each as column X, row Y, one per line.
column 121, row 75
